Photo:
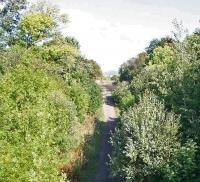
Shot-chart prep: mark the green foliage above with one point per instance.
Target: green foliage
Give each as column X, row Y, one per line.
column 193, row 42
column 165, row 41
column 146, row 141
column 80, row 98
column 51, row 10
column 123, row 97
column 10, row 58
column 149, row 78
column 72, row 41
column 46, row 92
column 36, row 120
column 171, row 73
column 10, row 16
column 59, row 52
column 182, row 166
column 95, row 100
column 94, row 70
column 129, row 69
column 140, row 136
column 35, row 27
column 40, row 23
column 162, row 55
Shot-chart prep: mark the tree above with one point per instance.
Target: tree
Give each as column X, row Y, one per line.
column 36, row 120
column 35, row 28
column 43, row 6
column 10, row 15
column 46, row 91
column 193, row 43
column 171, row 74
column 123, row 97
column 162, row 55
column 129, row 69
column 72, row 41
column 40, row 23
column 92, row 67
column 165, row 41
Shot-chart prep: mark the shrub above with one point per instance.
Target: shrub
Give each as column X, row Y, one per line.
column 36, row 120
column 163, row 55
column 183, row 165
column 171, row 73
column 123, row 97
column 80, row 98
column 95, row 100
column 145, row 141
column 45, row 93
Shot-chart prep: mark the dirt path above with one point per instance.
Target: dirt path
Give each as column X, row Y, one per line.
column 109, row 113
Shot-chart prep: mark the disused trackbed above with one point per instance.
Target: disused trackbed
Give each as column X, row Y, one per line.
column 102, row 174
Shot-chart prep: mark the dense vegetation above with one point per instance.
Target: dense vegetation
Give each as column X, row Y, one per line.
column 47, row 89
column 157, row 137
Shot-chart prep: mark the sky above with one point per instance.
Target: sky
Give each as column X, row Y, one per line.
column 112, row 31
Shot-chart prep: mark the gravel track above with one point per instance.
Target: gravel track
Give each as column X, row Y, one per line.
column 102, row 174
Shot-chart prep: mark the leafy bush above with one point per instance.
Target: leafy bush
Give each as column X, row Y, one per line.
column 163, row 55
column 146, row 141
column 141, row 134
column 45, row 93
column 182, row 167
column 36, row 124
column 35, row 27
column 123, row 97
column 171, row 73
column 95, row 100
column 11, row 58
column 80, row 98
column 59, row 52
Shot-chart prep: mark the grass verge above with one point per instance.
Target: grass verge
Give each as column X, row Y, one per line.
column 91, row 150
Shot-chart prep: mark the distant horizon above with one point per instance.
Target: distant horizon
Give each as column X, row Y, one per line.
column 112, row 37
column 110, row 73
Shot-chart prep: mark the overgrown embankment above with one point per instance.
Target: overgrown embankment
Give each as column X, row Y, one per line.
column 157, row 137
column 47, row 94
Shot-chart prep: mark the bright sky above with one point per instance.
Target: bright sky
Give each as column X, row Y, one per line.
column 112, row 31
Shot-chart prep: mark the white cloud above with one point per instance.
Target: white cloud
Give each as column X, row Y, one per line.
column 117, row 30
column 108, row 44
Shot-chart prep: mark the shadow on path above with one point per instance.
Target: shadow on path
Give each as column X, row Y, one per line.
column 103, row 171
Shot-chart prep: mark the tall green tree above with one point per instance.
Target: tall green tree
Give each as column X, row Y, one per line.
column 10, row 15
column 40, row 23
column 129, row 69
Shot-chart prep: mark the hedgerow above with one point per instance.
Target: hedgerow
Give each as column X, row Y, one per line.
column 146, row 143
column 44, row 96
column 171, row 74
